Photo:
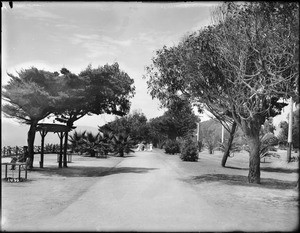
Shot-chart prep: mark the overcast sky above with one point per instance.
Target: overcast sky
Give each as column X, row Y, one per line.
column 52, row 35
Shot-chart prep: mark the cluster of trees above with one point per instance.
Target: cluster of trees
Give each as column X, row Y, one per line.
column 239, row 69
column 178, row 121
column 121, row 135
column 33, row 94
column 134, row 125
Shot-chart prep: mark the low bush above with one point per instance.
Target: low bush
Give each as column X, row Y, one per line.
column 172, row 147
column 189, row 151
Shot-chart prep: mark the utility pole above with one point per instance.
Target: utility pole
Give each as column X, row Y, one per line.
column 222, row 134
column 198, row 131
column 198, row 137
column 290, row 135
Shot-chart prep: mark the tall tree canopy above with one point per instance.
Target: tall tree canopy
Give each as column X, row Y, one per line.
column 134, row 125
column 34, row 94
column 28, row 98
column 178, row 121
column 105, row 89
column 240, row 67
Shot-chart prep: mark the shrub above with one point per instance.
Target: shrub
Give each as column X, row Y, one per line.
column 189, row 151
column 172, row 147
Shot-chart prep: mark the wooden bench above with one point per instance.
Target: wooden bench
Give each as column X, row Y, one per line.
column 19, row 167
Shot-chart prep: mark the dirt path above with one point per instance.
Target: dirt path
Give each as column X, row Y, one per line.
column 152, row 191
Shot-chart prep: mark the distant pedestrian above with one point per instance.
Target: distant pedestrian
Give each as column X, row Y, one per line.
column 150, row 146
column 141, row 147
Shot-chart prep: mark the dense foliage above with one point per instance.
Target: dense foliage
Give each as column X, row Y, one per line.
column 172, row 147
column 101, row 143
column 178, row 121
column 134, row 125
column 189, row 150
column 105, row 89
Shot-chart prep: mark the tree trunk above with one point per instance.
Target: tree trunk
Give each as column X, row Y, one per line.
column 92, row 153
column 229, row 143
column 254, row 160
column 251, row 130
column 210, row 149
column 43, row 135
column 30, row 142
column 61, row 138
column 65, row 160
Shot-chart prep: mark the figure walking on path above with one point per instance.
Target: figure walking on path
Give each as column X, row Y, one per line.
column 150, row 146
column 141, row 147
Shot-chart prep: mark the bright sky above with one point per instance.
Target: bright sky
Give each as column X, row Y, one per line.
column 52, row 35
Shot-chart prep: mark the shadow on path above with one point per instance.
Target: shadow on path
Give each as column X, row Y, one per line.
column 237, row 168
column 242, row 181
column 269, row 169
column 85, row 157
column 278, row 169
column 84, row 171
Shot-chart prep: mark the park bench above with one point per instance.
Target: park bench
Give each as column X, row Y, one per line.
column 16, row 167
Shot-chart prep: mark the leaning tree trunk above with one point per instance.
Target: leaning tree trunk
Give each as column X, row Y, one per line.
column 30, row 142
column 229, row 144
column 251, row 130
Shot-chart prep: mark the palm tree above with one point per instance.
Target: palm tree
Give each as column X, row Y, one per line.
column 104, row 142
column 91, row 143
column 121, row 144
column 77, row 141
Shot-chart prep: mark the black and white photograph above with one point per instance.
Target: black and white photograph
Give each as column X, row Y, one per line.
column 175, row 116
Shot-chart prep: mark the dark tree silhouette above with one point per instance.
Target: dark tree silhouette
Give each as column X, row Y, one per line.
column 28, row 98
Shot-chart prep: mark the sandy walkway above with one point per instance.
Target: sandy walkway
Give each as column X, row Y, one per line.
column 152, row 191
